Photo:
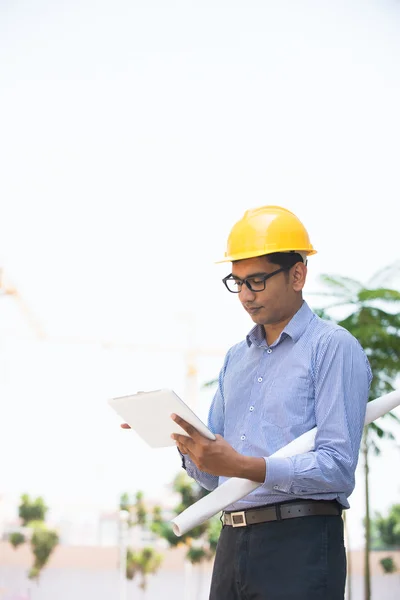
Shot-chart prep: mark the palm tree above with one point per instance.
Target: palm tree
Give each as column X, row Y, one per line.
column 145, row 561
column 201, row 541
column 42, row 540
column 373, row 317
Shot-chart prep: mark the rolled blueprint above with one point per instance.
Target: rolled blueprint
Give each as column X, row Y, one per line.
column 235, row 488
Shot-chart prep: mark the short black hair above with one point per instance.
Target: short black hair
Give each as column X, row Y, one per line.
column 285, row 260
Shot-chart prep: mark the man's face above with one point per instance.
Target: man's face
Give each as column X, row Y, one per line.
column 281, row 293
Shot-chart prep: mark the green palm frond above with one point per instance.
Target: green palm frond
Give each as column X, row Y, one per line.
column 326, row 294
column 388, row 276
column 393, row 416
column 211, row 383
column 384, row 294
column 380, row 432
column 379, row 319
column 377, row 330
column 347, row 285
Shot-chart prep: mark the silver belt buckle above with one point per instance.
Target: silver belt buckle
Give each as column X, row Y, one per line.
column 238, row 519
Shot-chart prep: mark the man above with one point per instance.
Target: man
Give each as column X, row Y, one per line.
column 294, row 371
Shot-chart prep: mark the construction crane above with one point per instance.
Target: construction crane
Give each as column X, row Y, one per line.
column 10, row 290
column 190, row 352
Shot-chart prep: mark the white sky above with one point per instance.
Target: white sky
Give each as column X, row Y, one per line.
column 132, row 136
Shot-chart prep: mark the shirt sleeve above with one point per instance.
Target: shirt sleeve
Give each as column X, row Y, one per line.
column 342, row 381
column 215, row 424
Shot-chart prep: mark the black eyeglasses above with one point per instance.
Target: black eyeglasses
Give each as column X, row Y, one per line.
column 255, row 283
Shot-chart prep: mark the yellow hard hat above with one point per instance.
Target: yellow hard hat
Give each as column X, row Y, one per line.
column 266, row 230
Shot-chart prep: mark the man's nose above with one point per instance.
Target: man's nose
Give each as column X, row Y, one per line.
column 246, row 295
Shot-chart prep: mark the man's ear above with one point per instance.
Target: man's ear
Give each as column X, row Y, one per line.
column 299, row 274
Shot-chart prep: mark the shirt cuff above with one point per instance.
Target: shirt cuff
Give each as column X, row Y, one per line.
column 183, row 459
column 279, row 474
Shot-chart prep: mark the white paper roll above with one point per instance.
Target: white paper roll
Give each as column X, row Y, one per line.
column 234, row 489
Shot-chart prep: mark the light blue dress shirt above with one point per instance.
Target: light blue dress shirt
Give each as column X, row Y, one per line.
column 314, row 375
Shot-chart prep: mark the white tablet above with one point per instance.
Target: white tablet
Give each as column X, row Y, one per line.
column 149, row 415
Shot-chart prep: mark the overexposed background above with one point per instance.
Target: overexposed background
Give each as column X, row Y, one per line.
column 132, row 136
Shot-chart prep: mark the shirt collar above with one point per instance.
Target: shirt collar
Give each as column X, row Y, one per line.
column 294, row 329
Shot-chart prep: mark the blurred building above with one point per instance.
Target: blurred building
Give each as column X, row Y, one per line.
column 81, row 573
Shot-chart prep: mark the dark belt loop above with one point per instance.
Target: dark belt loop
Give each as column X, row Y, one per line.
column 278, row 512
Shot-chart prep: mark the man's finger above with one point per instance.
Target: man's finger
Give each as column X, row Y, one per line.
column 182, row 448
column 185, row 425
column 125, row 426
column 187, row 452
column 183, row 440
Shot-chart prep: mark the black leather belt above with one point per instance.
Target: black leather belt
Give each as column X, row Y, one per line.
column 278, row 512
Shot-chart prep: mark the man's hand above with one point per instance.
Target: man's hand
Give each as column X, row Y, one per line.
column 216, row 457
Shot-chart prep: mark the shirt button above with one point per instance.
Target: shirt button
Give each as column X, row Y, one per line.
column 269, row 351
column 251, row 408
column 276, row 487
column 242, row 437
column 259, row 379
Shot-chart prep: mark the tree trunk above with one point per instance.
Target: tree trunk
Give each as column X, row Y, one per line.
column 200, row 580
column 188, row 578
column 367, row 569
column 348, row 554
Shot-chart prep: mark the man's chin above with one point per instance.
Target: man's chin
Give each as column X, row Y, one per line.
column 256, row 316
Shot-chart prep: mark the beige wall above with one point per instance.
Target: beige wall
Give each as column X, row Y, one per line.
column 82, row 573
column 92, row 557
column 82, row 557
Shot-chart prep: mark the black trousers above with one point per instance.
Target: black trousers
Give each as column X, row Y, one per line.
column 293, row 559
